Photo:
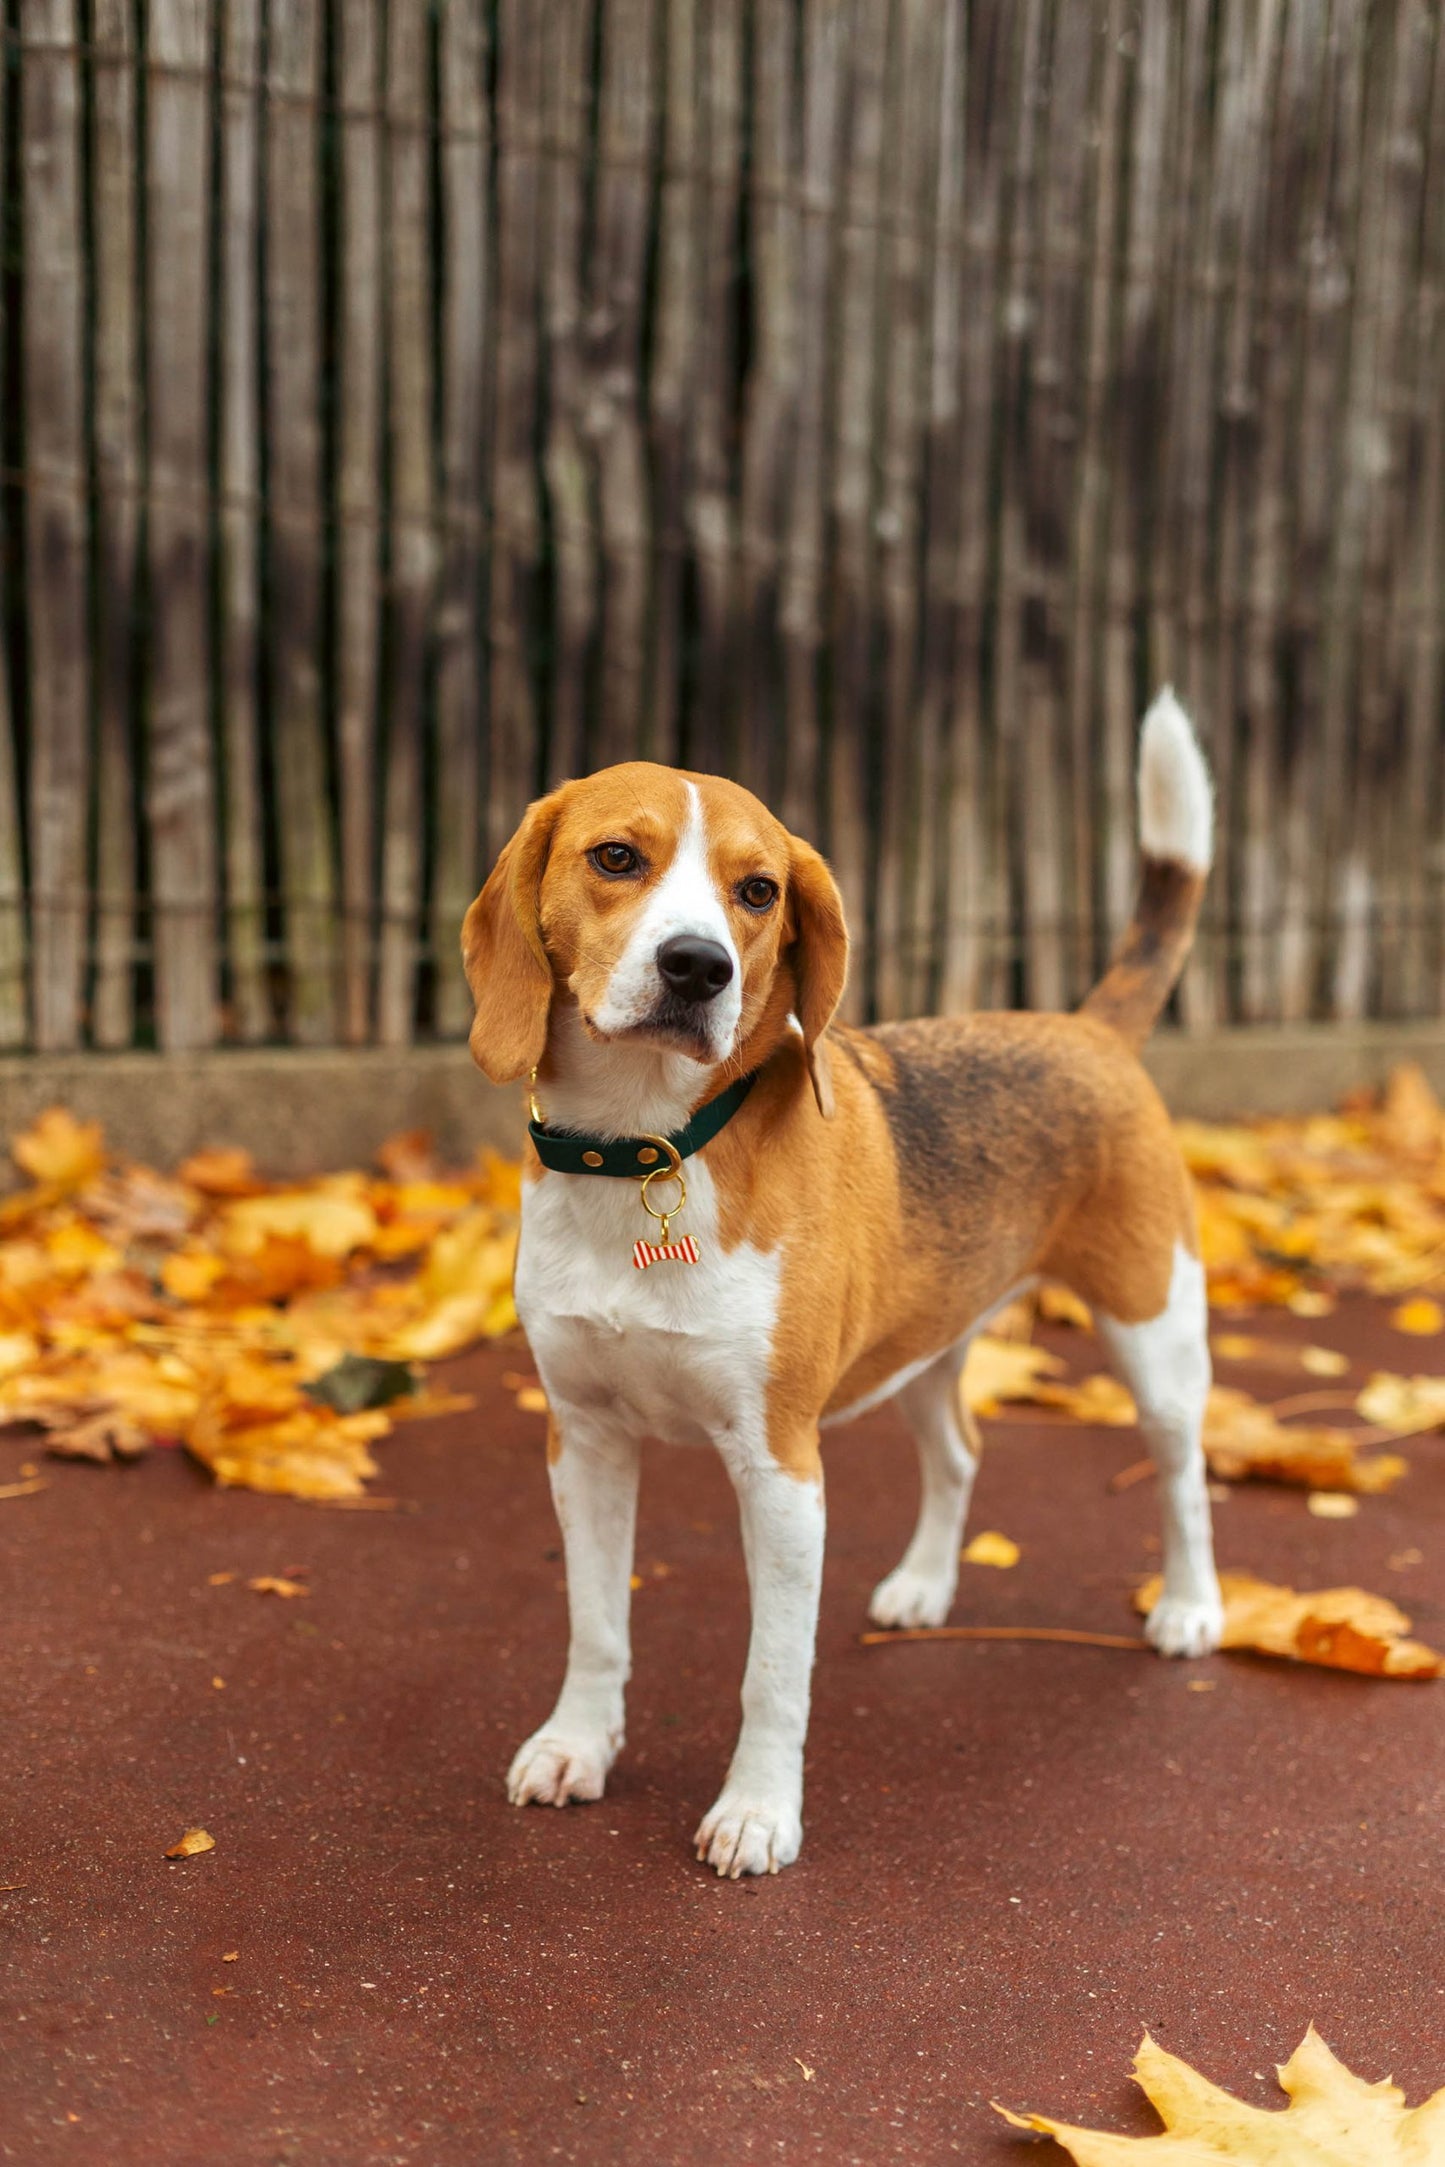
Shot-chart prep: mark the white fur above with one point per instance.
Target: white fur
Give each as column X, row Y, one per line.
column 1165, row 1364
column 1176, row 797
column 685, row 901
column 679, row 1353
column 920, row 1591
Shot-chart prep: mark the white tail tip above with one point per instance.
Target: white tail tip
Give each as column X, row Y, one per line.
column 1176, row 796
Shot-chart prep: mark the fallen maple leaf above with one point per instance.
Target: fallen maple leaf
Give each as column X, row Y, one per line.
column 1334, row 2119
column 58, row 1150
column 1003, row 1369
column 1336, row 1628
column 276, row 1584
column 192, row 1844
column 1242, row 1437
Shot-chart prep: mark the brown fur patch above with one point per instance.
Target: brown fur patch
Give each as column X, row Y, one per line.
column 1151, row 954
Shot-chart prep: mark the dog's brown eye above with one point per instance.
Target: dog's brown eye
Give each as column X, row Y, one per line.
column 615, row 858
column 759, row 893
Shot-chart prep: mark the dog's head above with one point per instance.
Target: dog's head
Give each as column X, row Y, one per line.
column 673, row 909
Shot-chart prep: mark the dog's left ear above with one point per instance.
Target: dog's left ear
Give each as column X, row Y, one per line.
column 504, row 957
column 819, row 956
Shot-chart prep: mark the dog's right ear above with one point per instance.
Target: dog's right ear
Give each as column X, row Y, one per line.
column 504, row 957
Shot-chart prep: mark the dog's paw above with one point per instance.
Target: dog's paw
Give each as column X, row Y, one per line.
column 749, row 1835
column 910, row 1598
column 1185, row 1624
column 553, row 1768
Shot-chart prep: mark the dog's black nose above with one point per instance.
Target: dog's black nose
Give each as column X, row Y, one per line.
column 693, row 968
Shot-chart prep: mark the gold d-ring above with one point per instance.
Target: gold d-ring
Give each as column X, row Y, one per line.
column 671, row 1170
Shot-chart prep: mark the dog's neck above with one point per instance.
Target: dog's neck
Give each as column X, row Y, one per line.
column 609, row 1088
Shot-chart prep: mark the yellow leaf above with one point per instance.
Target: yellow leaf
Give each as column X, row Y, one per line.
column 332, row 1217
column 1405, row 1405
column 1337, row 1628
column 1003, row 1369
column 1099, row 1398
column 59, row 1150
column 76, row 1250
column 192, row 1844
column 532, row 1400
column 17, row 1351
column 1421, row 1317
column 274, row 1584
column 1323, row 1361
column 190, row 1274
column 991, row 1548
column 1334, row 2119
column 1060, row 1305
column 1332, row 1505
column 1243, row 1437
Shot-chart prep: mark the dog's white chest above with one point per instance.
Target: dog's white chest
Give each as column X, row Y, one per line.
column 679, row 1351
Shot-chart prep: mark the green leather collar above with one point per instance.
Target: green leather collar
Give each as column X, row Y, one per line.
column 566, row 1151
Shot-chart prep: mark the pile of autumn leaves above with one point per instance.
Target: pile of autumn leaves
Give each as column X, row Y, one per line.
column 276, row 1329
column 271, row 1328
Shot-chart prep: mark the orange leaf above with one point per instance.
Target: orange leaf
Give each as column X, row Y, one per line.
column 192, row 1844
column 59, row 1150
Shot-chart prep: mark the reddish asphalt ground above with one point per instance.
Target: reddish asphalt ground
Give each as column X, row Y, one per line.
column 1018, row 1856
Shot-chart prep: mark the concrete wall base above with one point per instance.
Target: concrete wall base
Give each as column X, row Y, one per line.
column 301, row 1109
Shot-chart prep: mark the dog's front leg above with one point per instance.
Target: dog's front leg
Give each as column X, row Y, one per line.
column 756, row 1825
column 594, row 1466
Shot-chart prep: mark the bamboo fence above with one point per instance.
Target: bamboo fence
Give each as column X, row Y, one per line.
column 405, row 404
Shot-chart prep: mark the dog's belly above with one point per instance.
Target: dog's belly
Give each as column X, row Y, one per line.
column 679, row 1351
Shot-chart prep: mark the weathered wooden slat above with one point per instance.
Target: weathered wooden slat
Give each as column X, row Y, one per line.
column 358, row 500
column 1247, row 738
column 566, row 459
column 709, row 501
column 1088, row 508
column 618, row 268
column 305, row 838
column 772, row 391
column 466, row 335
column 1132, row 452
column 180, row 793
column 1422, row 980
column 55, row 524
column 906, row 762
column 676, row 346
column 412, row 504
column 942, row 496
column 1186, row 525
column 823, row 62
column 116, row 426
column 14, row 986
column 977, row 920
column 238, row 473
column 852, row 500
column 514, row 720
column 1386, row 827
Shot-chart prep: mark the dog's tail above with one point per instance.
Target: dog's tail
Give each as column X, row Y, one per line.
column 1176, row 838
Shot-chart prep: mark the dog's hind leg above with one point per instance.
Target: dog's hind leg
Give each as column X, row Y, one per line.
column 1165, row 1364
column 920, row 1590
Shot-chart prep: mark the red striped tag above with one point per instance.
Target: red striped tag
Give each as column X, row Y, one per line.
column 683, row 1252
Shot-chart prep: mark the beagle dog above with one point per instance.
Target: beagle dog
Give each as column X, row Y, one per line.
column 743, row 1222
